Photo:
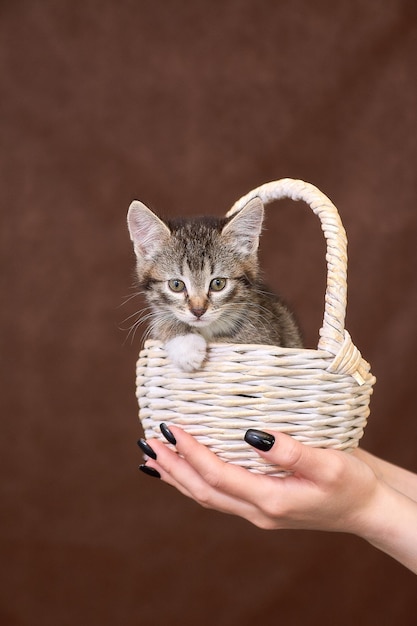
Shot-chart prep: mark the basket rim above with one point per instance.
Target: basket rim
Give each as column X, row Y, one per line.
column 348, row 361
column 246, row 347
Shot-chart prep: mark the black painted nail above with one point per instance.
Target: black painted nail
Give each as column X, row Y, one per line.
column 260, row 440
column 167, row 434
column 146, row 449
column 149, row 471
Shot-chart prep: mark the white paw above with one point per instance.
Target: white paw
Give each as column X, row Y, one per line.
column 187, row 352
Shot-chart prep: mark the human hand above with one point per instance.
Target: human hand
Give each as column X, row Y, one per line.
column 327, row 490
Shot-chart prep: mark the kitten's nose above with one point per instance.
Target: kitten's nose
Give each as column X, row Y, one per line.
column 198, row 311
column 197, row 306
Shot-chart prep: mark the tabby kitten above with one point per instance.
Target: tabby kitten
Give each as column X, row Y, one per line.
column 201, row 281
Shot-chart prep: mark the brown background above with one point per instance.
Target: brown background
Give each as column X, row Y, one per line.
column 188, row 105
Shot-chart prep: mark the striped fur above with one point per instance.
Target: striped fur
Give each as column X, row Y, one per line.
column 201, row 276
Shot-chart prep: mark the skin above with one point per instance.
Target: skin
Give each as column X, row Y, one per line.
column 329, row 490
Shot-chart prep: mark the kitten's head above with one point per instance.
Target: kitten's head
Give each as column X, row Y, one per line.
column 197, row 271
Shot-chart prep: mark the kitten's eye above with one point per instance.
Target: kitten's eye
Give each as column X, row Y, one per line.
column 176, row 285
column 217, row 284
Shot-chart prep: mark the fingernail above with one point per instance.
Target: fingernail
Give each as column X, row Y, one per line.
column 260, row 440
column 149, row 471
column 167, row 434
column 146, row 449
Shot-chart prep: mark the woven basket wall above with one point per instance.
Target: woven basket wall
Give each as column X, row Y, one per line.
column 320, row 397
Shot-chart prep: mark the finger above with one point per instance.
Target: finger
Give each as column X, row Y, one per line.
column 177, row 472
column 313, row 464
column 227, row 478
column 173, row 469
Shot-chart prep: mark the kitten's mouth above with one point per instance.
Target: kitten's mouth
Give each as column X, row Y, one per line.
column 198, row 322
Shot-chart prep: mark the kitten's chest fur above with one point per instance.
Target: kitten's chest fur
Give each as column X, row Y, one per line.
column 201, row 281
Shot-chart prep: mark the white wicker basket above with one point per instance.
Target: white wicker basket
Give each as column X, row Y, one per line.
column 320, row 397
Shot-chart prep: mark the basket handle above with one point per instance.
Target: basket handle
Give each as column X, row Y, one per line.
column 333, row 336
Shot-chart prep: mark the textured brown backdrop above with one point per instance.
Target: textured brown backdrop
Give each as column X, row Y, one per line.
column 188, row 105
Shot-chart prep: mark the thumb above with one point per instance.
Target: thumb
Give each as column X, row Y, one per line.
column 289, row 454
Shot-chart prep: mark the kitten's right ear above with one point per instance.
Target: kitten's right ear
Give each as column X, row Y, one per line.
column 147, row 231
column 244, row 227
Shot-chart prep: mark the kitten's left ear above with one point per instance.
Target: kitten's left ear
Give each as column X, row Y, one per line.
column 244, row 228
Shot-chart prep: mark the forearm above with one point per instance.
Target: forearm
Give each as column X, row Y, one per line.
column 391, row 526
column 396, row 477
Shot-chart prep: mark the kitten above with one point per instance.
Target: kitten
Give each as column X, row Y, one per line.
column 201, row 281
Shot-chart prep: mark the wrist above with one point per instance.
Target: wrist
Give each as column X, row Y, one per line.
column 396, row 477
column 388, row 523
